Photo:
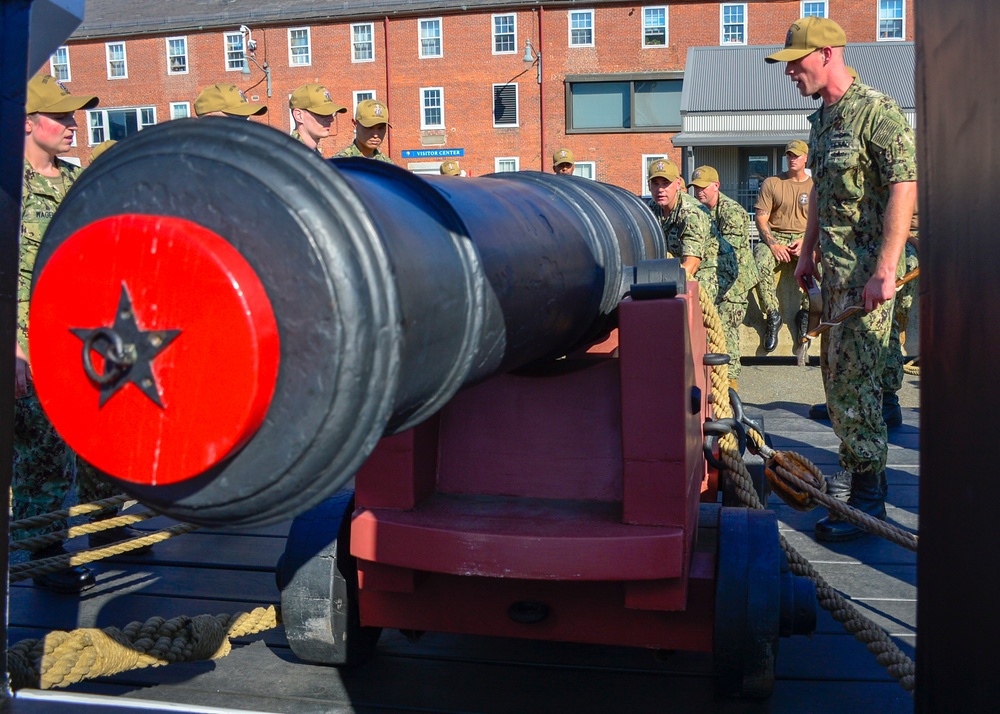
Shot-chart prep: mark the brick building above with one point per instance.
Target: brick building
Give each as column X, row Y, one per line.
column 604, row 79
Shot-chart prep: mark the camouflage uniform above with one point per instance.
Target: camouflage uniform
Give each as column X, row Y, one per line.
column 737, row 268
column 689, row 231
column 44, row 466
column 298, row 137
column 860, row 146
column 892, row 378
column 353, row 150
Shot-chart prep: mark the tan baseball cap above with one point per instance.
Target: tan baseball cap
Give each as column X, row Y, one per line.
column 371, row 112
column 450, row 168
column 807, row 35
column 101, row 148
column 228, row 99
column 46, row 94
column 797, row 147
column 314, row 98
column 703, row 176
column 664, row 168
column 563, row 156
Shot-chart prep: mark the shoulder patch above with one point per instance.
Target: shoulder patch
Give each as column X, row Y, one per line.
column 887, row 130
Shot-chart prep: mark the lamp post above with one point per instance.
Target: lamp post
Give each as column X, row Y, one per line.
column 530, row 56
column 249, row 49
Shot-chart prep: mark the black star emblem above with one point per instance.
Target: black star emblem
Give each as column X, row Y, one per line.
column 128, row 352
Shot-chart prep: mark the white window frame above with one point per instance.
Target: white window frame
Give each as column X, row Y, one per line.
column 103, row 125
column 591, row 166
column 647, row 159
column 569, row 28
column 296, row 60
column 722, row 24
column 666, row 26
column 515, row 159
column 824, row 3
column 174, row 106
column 123, row 60
column 361, row 95
column 226, row 51
column 187, row 55
column 354, row 41
column 420, row 38
column 493, row 33
column 424, row 107
column 517, row 105
column 879, row 18
column 53, row 64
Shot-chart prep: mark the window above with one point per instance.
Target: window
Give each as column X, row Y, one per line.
column 180, row 110
column 503, row 164
column 363, row 36
column 627, row 103
column 299, row 50
column 116, row 124
column 648, row 159
column 59, row 64
column 362, row 96
column 587, row 169
column 117, row 67
column 431, row 108
column 581, row 28
column 654, row 26
column 177, row 55
column 814, row 9
column 505, row 105
column 734, row 23
column 430, row 37
column 890, row 19
column 235, row 52
column 504, row 34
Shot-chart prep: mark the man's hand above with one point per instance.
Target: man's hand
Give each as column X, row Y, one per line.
column 805, row 270
column 878, row 290
column 781, row 252
column 795, row 247
column 22, row 374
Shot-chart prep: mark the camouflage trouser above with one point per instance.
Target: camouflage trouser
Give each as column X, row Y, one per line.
column 852, row 359
column 707, row 283
column 731, row 313
column 44, row 468
column 767, row 298
column 892, row 378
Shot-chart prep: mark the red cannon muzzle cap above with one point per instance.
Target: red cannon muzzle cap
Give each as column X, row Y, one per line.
column 154, row 347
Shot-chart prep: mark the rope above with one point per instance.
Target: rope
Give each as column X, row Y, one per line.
column 78, row 510
column 39, row 542
column 875, row 639
column 23, row 571
column 63, row 658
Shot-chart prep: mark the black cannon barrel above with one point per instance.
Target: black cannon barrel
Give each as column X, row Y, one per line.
column 389, row 292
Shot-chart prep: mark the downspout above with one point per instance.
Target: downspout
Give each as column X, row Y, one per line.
column 541, row 94
column 388, row 103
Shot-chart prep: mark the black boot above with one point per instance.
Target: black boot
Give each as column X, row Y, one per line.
column 819, row 412
column 71, row 581
column 868, row 492
column 801, row 325
column 771, row 332
column 892, row 414
column 110, row 536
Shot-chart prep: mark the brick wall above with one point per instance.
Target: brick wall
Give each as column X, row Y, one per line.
column 466, row 72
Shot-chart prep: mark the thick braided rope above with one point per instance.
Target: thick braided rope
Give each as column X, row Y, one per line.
column 78, row 510
column 63, row 658
column 875, row 639
column 23, row 571
column 39, row 542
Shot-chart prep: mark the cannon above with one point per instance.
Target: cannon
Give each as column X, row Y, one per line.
column 508, row 367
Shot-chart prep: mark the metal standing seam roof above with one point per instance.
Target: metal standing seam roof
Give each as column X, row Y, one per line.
column 737, row 79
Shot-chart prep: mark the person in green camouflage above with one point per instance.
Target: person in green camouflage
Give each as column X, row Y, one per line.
column 688, row 229
column 44, row 466
column 312, row 111
column 371, row 122
column 863, row 161
column 738, row 267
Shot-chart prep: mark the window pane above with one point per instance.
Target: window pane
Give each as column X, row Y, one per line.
column 121, row 123
column 180, row 111
column 890, row 24
column 581, row 28
column 505, row 165
column 814, row 9
column 364, row 46
column 96, row 120
column 654, row 26
column 432, row 107
column 601, row 105
column 177, row 55
column 60, row 64
column 430, row 38
column 658, row 103
column 732, row 24
column 234, row 51
column 503, row 34
column 298, row 41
